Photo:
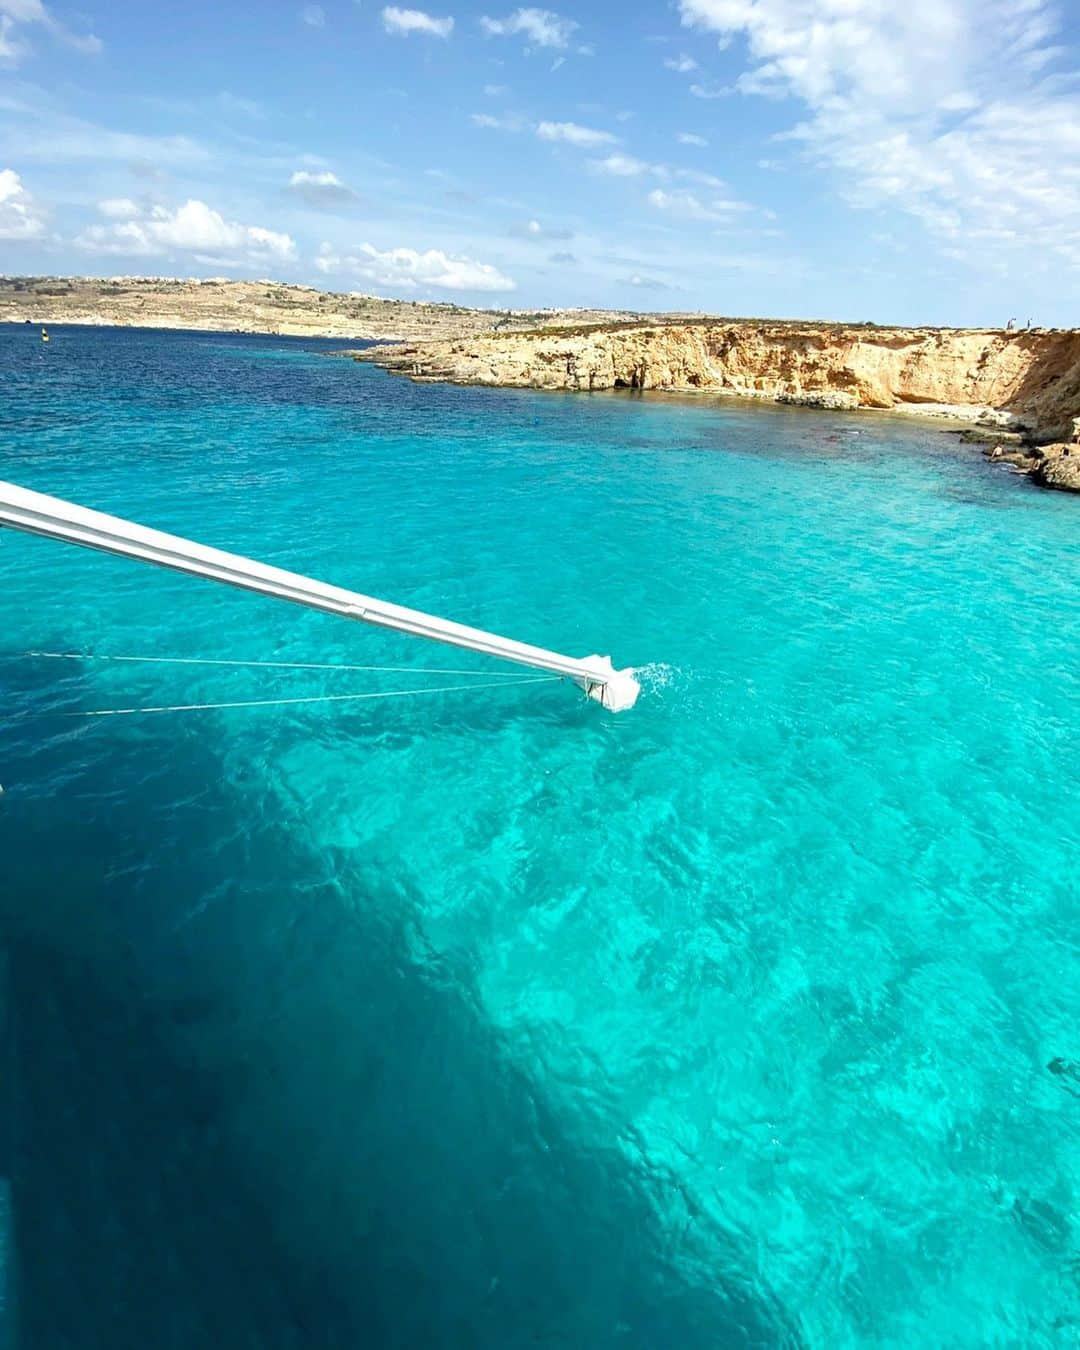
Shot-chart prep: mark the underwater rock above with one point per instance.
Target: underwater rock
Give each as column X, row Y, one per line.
column 1069, row 1070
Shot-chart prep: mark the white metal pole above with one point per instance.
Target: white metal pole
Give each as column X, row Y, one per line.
column 54, row 518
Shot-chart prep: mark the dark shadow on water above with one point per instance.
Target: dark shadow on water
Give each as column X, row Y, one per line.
column 251, row 1108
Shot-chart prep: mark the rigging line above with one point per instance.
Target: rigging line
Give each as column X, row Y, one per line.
column 280, row 702
column 279, row 665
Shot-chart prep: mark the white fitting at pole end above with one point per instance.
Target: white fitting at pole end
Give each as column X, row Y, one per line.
column 619, row 690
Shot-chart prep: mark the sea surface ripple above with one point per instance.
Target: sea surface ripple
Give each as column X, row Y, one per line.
column 748, row 1018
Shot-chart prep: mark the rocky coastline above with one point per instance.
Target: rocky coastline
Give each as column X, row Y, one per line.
column 1023, row 385
column 1055, row 465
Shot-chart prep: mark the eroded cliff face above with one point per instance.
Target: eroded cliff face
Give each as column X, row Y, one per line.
column 1030, row 379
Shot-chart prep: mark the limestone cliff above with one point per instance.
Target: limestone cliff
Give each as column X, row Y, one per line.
column 1029, row 379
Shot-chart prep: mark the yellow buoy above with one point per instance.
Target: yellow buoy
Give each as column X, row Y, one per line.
column 44, row 335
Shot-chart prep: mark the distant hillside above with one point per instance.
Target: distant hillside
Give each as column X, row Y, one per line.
column 260, row 307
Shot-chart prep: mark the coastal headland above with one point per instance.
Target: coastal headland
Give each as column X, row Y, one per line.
column 1017, row 391
column 1020, row 390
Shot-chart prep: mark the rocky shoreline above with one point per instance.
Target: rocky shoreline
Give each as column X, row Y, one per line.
column 1024, row 385
column 1056, row 465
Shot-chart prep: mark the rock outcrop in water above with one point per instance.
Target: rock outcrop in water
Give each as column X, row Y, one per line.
column 1028, row 380
column 1056, row 465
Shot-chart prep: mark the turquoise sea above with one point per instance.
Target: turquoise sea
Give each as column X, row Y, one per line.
column 748, row 1018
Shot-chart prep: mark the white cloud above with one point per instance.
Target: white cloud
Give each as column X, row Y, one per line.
column 620, row 166
column 20, row 216
column 709, row 91
column 402, row 22
column 681, row 202
column 682, row 63
column 314, row 16
column 16, row 13
column 691, row 138
column 130, row 239
column 192, row 228
column 947, row 109
column 406, row 269
column 573, row 134
column 323, row 189
column 540, row 26
column 119, row 208
column 533, row 229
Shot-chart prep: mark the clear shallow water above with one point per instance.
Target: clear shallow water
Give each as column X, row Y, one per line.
column 747, row 1018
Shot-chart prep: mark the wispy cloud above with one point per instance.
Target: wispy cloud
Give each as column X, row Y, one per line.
column 682, row 63
column 708, row 180
column 403, row 22
column 20, row 215
column 235, row 103
column 49, row 137
column 619, row 165
column 409, row 270
column 18, row 15
column 11, row 49
column 683, row 203
column 691, row 138
column 314, row 16
column 193, row 228
column 542, row 27
column 495, row 123
column 573, row 134
column 948, row 110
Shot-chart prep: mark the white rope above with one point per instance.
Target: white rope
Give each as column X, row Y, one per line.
column 279, row 665
column 316, row 698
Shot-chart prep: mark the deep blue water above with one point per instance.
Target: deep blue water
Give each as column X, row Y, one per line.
column 748, row 1018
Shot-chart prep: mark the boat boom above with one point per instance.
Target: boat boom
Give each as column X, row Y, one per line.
column 54, row 518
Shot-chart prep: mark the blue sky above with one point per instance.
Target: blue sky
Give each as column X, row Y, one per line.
column 855, row 159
